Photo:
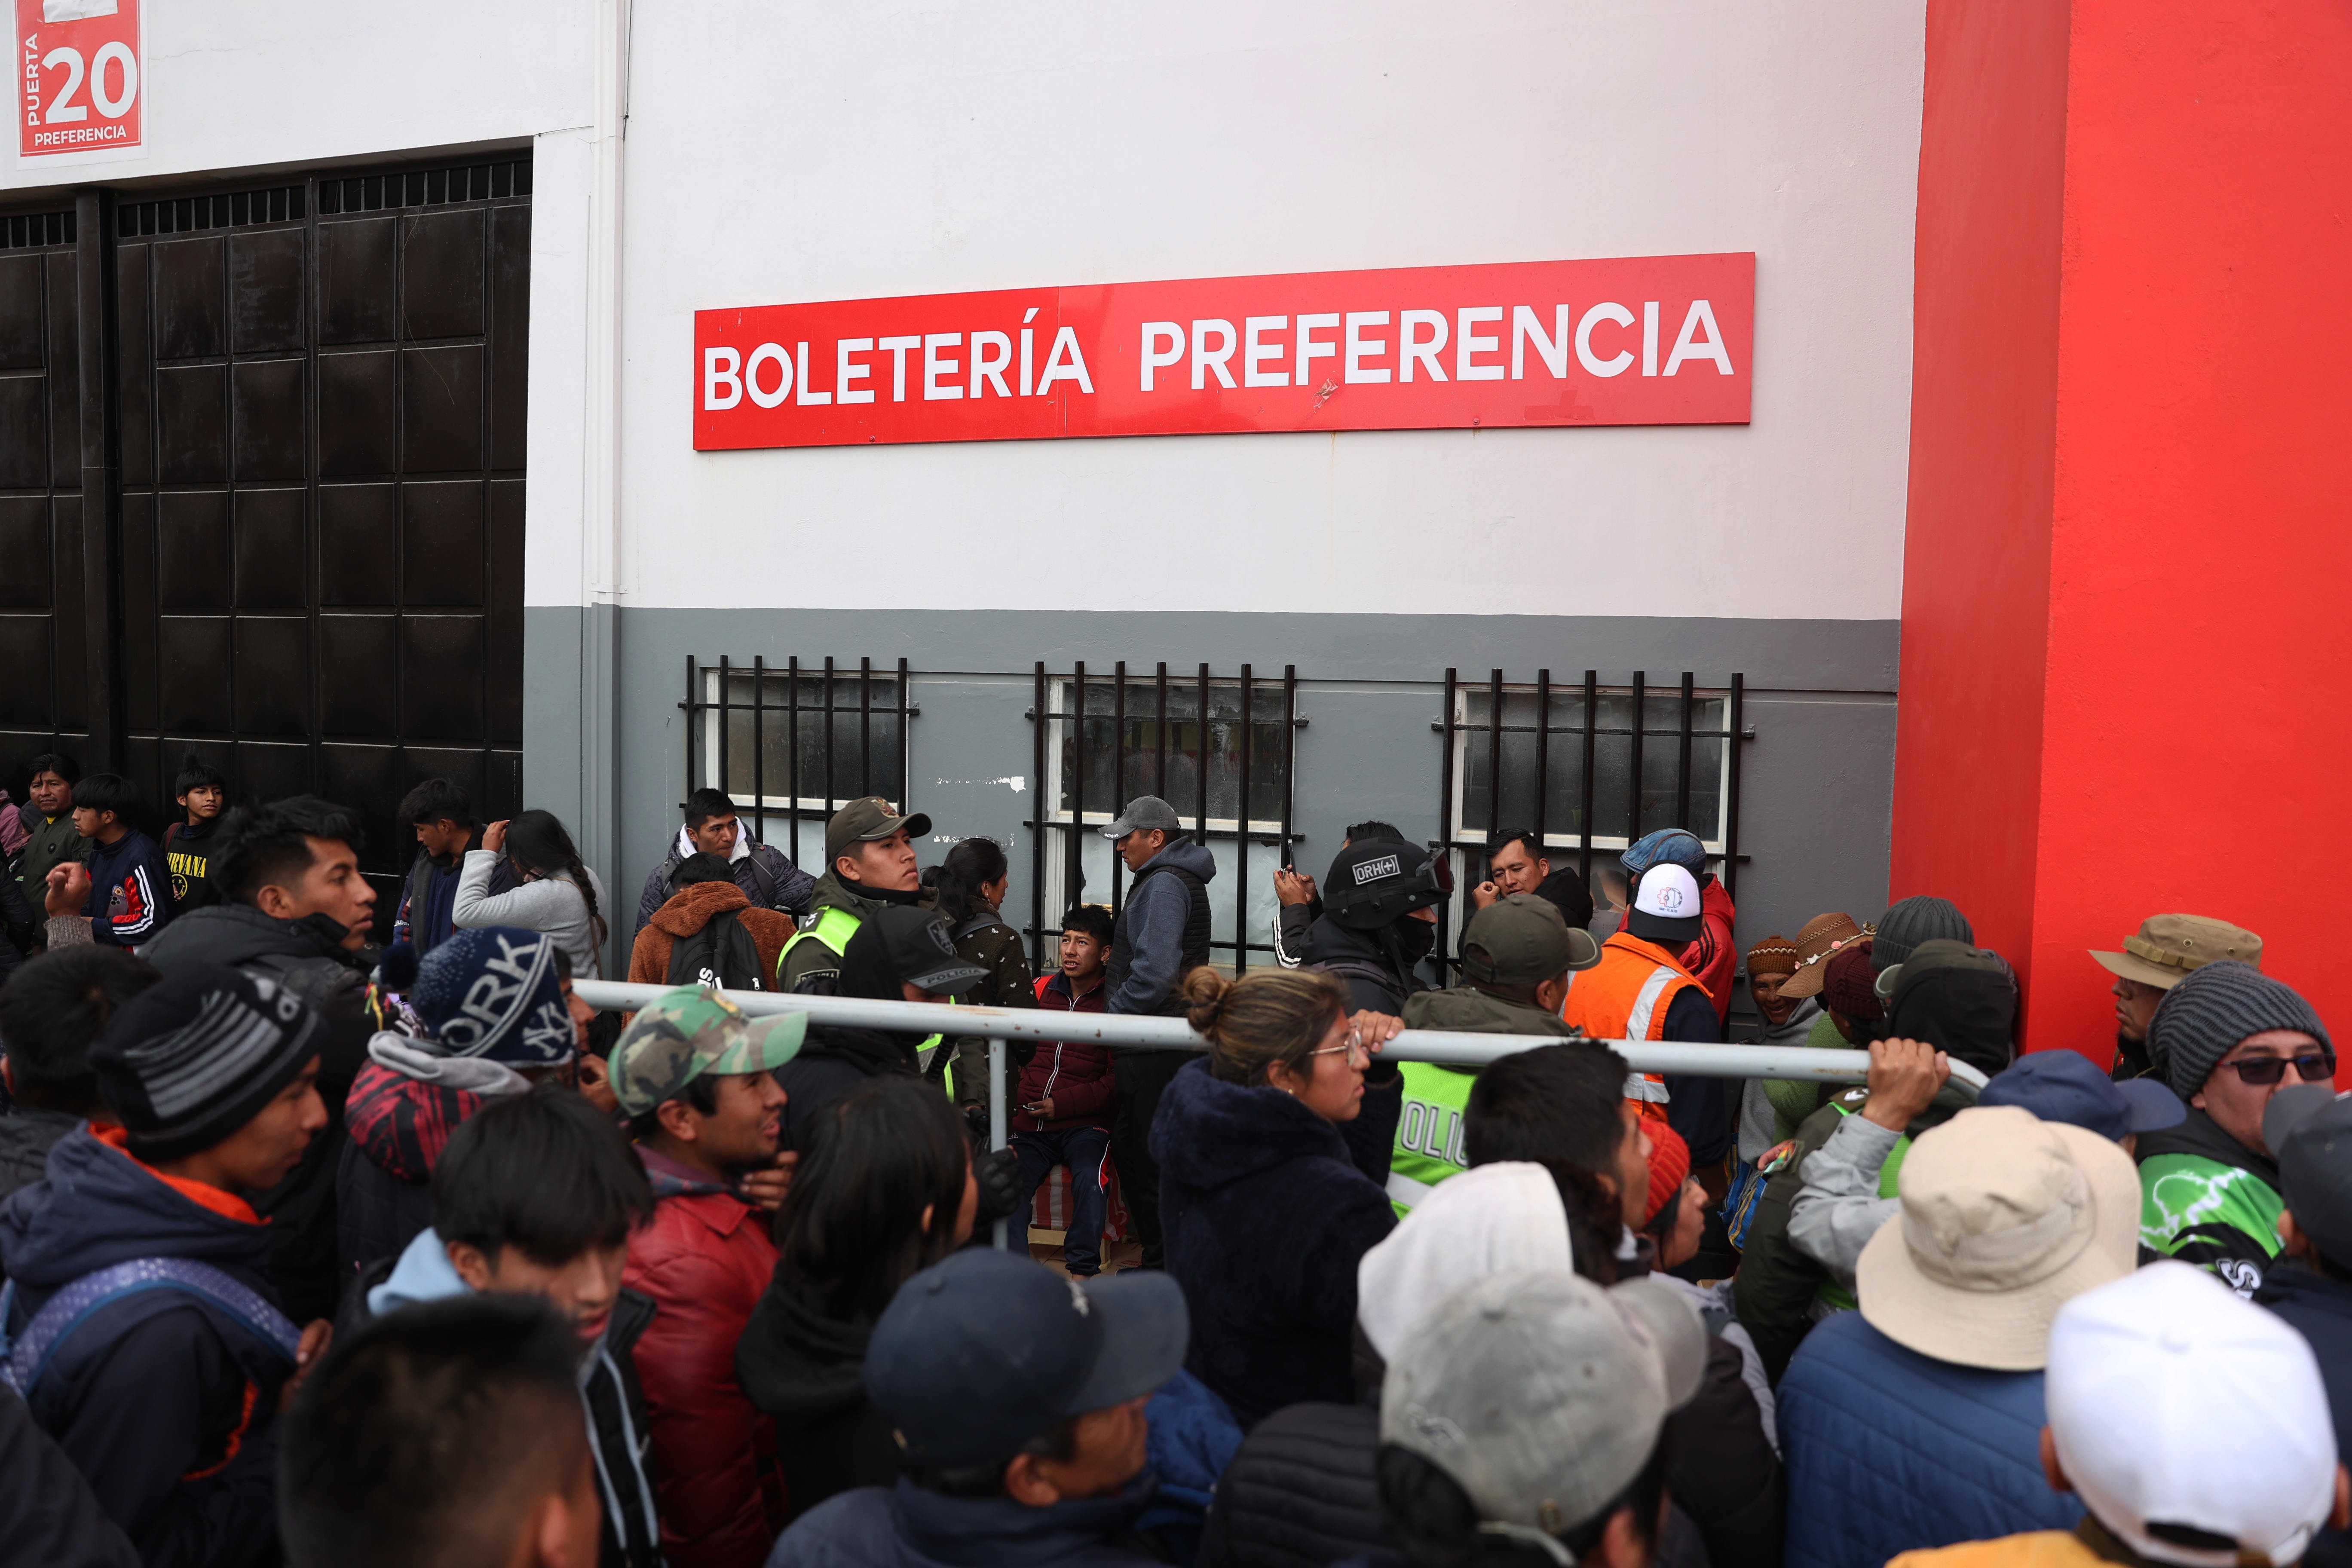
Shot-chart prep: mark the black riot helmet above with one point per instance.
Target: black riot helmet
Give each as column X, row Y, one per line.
column 1377, row 880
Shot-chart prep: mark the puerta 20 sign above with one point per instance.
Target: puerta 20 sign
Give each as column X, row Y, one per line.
column 1660, row 340
column 80, row 78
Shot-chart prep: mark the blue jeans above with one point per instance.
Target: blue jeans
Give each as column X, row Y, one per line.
column 1082, row 1149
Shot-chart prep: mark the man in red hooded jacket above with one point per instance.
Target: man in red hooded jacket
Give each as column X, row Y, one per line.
column 1065, row 1103
column 697, row 1080
column 1713, row 956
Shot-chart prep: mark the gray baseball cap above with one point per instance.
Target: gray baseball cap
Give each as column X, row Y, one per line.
column 1143, row 814
column 1543, row 1394
column 2308, row 1128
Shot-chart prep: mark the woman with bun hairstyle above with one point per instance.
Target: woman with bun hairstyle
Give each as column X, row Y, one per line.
column 1266, row 1212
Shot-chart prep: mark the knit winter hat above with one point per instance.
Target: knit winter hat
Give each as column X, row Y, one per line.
column 1915, row 920
column 2212, row 1008
column 493, row 993
column 1850, row 987
column 1669, row 1168
column 193, row 1058
column 1774, row 955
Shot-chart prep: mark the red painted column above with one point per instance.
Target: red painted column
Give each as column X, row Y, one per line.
column 2126, row 676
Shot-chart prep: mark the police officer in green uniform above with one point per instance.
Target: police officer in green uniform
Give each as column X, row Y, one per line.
column 901, row 954
column 1517, row 956
column 869, row 865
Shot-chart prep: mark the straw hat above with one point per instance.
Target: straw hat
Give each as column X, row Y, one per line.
column 1821, row 939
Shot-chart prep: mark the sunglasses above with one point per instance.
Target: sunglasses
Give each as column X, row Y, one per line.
column 2266, row 1070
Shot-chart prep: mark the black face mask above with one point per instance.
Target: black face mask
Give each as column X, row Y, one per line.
column 1413, row 937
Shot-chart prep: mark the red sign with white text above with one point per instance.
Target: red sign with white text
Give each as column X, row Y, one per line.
column 1660, row 340
column 81, row 76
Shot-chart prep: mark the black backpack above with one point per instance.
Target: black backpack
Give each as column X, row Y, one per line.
column 722, row 953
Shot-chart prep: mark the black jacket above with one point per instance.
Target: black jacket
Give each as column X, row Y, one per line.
column 54, row 1520
column 1266, row 1215
column 1301, row 1491
column 831, row 1062
column 2320, row 1309
column 307, row 957
column 27, row 1136
column 155, row 1387
column 1724, row 1475
column 807, row 1371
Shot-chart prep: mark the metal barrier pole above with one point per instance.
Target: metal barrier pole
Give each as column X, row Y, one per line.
column 1451, row 1048
column 997, row 1139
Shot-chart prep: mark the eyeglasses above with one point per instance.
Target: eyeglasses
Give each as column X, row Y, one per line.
column 1354, row 1046
column 2266, row 1070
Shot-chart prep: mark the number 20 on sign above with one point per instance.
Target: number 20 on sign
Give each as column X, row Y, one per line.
column 80, row 75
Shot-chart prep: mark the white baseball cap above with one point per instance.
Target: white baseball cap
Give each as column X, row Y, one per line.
column 1665, row 905
column 2194, row 1425
column 1488, row 1219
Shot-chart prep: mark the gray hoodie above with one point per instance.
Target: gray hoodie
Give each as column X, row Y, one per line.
column 1155, row 916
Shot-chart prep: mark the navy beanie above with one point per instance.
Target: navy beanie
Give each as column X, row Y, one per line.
column 1913, row 921
column 2212, row 1008
column 493, row 993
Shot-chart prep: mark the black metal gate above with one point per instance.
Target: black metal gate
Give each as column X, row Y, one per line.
column 44, row 684
column 1217, row 748
column 308, row 564
column 1591, row 766
column 824, row 733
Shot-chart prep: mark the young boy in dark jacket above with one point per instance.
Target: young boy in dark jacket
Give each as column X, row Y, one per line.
column 202, row 791
column 165, row 1392
column 130, row 885
column 1062, row 1112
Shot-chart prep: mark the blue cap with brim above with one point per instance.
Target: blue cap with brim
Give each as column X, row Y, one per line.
column 2066, row 1086
column 985, row 1353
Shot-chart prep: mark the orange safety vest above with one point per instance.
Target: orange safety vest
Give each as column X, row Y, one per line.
column 1625, row 997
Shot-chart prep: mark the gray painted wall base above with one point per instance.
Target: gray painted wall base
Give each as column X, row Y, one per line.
column 1817, row 784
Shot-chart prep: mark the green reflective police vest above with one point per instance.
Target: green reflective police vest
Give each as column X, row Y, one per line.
column 833, row 928
column 1429, row 1134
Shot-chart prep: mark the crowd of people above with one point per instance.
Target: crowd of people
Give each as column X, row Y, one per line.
column 324, row 1252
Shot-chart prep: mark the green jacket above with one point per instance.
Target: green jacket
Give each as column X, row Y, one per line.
column 1429, row 1131
column 995, row 947
column 812, row 958
column 1793, row 1099
column 1775, row 1286
column 2207, row 1199
column 53, row 844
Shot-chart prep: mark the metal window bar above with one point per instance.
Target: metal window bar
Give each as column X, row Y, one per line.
column 1455, row 792
column 1062, row 730
column 714, row 705
column 28, row 231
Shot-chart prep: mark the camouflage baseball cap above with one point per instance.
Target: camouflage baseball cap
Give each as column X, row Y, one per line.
column 687, row 1032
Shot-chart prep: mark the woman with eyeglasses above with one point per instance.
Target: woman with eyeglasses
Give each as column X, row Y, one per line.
column 1265, row 1211
column 2226, row 1038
